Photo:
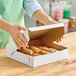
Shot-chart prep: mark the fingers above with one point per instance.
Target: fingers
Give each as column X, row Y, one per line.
column 21, row 28
column 24, row 45
column 54, row 22
column 17, row 36
column 22, row 41
column 22, row 38
column 59, row 39
column 21, row 44
column 18, row 46
column 62, row 36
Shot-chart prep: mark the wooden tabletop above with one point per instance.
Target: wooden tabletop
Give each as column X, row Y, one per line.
column 9, row 67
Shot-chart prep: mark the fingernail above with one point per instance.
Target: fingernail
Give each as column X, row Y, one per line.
column 19, row 48
column 23, row 46
column 26, row 42
column 62, row 36
column 27, row 46
column 57, row 41
column 60, row 39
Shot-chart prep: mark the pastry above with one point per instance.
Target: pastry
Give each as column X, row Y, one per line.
column 38, row 50
column 28, row 52
column 51, row 50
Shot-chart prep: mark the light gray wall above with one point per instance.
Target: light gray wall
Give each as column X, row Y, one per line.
column 29, row 22
column 73, row 12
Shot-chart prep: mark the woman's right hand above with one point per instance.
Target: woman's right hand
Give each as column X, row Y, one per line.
column 15, row 32
column 17, row 36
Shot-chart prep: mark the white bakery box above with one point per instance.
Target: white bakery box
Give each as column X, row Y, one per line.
column 42, row 35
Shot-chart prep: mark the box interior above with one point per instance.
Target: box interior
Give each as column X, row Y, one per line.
column 42, row 36
column 55, row 46
column 46, row 37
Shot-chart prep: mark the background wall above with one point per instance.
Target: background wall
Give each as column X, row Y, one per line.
column 30, row 22
column 74, row 9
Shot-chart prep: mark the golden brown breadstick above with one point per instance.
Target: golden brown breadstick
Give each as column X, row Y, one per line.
column 47, row 49
column 28, row 52
column 38, row 50
column 53, row 50
column 31, row 52
column 35, row 50
column 42, row 52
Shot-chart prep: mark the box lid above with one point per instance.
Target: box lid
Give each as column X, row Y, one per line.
column 44, row 35
column 41, row 35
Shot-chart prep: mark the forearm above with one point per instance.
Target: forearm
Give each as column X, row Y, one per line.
column 41, row 16
column 4, row 25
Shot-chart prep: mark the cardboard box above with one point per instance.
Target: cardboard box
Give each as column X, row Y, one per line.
column 43, row 35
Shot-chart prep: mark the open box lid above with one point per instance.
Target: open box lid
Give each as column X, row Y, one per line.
column 42, row 34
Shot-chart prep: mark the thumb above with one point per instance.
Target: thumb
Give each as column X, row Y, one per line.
column 21, row 28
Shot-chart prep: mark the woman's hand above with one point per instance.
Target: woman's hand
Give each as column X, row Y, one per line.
column 15, row 32
column 17, row 36
column 53, row 22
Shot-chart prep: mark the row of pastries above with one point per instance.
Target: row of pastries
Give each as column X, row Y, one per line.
column 37, row 50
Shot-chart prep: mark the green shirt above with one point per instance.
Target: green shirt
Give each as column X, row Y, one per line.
column 12, row 11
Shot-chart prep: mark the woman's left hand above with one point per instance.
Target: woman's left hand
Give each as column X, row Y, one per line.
column 55, row 22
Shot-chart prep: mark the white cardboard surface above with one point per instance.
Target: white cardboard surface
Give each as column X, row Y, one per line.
column 46, row 27
column 40, row 60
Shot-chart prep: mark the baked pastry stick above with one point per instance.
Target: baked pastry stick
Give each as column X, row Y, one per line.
column 38, row 50
column 51, row 50
column 28, row 52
